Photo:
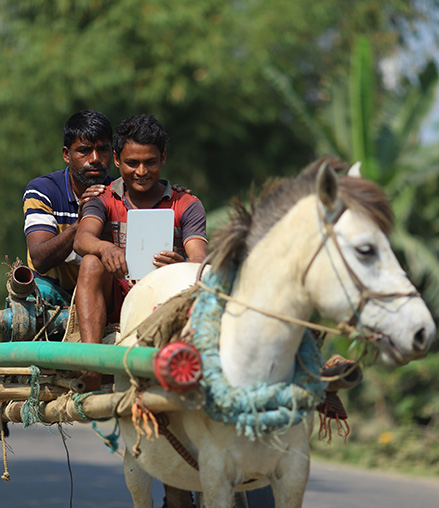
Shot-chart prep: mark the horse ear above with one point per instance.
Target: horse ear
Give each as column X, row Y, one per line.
column 327, row 192
column 355, row 170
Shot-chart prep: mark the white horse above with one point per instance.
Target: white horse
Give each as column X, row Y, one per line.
column 312, row 244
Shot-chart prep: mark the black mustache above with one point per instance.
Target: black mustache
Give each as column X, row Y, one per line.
column 95, row 168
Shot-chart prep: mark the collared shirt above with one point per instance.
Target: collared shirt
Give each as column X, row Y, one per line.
column 50, row 204
column 112, row 206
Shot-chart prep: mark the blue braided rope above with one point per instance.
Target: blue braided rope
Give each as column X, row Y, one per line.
column 257, row 410
column 78, row 401
column 30, row 411
column 110, row 440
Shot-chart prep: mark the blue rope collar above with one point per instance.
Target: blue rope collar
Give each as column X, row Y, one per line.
column 261, row 409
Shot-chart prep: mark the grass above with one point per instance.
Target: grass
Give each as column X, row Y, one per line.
column 375, row 444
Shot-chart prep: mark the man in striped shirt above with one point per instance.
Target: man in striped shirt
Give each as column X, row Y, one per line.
column 53, row 203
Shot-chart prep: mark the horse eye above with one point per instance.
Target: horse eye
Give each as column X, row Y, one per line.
column 366, row 251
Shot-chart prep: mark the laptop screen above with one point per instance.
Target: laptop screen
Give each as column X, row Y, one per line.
column 149, row 231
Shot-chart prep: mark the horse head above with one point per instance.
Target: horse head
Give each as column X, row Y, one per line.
column 353, row 276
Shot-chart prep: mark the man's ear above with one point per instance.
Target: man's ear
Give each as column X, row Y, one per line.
column 116, row 160
column 66, row 154
column 164, row 157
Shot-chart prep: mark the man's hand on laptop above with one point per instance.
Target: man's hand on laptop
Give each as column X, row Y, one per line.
column 167, row 258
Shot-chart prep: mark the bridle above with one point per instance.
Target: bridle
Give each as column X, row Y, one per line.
column 348, row 329
column 366, row 294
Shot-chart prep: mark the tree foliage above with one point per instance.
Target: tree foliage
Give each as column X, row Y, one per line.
column 202, row 67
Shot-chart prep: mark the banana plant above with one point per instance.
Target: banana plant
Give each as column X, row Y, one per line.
column 382, row 130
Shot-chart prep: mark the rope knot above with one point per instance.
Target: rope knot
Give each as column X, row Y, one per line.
column 348, row 330
column 30, row 412
column 141, row 418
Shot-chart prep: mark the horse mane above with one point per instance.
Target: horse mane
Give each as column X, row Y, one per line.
column 232, row 243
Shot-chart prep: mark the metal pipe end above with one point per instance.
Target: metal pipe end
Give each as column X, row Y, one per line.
column 22, row 282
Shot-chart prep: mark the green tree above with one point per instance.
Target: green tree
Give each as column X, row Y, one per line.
column 199, row 66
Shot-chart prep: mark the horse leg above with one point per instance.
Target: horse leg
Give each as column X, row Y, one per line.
column 138, row 481
column 218, row 492
column 290, row 478
column 177, row 498
column 239, row 501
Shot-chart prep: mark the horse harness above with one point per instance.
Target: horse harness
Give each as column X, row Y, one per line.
column 366, row 294
column 163, row 422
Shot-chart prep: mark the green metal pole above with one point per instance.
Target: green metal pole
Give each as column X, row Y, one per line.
column 79, row 356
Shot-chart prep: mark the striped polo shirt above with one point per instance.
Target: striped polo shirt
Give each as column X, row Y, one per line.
column 50, row 204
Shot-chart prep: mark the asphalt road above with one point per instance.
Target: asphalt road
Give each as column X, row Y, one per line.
column 40, row 477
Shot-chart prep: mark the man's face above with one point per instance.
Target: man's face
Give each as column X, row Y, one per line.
column 89, row 163
column 140, row 166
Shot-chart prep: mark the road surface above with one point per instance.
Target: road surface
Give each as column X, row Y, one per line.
column 40, row 477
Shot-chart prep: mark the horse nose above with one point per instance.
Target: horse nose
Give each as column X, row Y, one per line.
column 421, row 340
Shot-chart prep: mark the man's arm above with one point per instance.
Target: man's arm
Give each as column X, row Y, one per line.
column 196, row 250
column 47, row 249
column 193, row 223
column 87, row 241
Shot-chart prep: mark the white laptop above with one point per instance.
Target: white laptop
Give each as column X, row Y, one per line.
column 149, row 232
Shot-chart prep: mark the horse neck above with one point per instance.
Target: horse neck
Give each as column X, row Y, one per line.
column 255, row 348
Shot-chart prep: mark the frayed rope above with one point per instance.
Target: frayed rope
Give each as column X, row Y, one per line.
column 30, row 412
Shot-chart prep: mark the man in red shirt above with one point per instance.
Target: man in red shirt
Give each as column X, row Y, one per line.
column 140, row 154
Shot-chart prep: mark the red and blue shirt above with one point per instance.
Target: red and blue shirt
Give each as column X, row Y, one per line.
column 111, row 209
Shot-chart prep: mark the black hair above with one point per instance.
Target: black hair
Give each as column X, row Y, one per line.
column 142, row 129
column 87, row 124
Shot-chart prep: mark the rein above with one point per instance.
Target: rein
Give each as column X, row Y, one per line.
column 341, row 329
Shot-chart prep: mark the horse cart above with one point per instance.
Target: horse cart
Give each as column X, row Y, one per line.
column 216, row 371
column 42, row 365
